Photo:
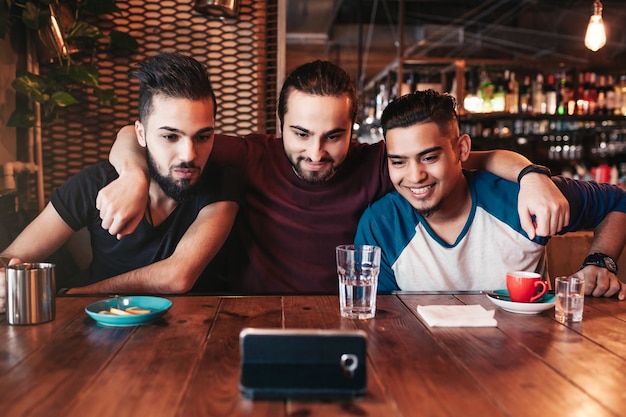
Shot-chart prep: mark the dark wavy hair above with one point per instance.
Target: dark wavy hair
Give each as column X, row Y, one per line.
column 421, row 107
column 319, row 78
column 174, row 75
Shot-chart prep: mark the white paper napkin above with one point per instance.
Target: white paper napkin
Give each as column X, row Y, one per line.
column 457, row 316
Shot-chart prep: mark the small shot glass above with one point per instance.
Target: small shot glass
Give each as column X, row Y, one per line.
column 570, row 299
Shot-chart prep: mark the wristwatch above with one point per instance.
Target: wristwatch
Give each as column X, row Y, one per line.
column 540, row 169
column 601, row 260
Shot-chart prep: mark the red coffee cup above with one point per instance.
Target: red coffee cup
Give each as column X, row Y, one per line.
column 524, row 286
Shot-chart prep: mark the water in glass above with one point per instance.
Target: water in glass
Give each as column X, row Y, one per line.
column 569, row 307
column 357, row 291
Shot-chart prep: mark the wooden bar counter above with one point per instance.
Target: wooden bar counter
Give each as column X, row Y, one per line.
column 187, row 363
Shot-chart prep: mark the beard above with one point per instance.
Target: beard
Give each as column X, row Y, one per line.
column 428, row 211
column 312, row 177
column 176, row 190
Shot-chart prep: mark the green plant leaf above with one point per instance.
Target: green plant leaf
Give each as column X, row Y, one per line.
column 107, row 96
column 62, row 99
column 84, row 74
column 62, row 79
column 123, row 41
column 23, row 117
column 35, row 17
column 82, row 31
column 31, row 85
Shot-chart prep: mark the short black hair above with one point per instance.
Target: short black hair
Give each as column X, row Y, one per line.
column 171, row 74
column 420, row 107
column 319, row 78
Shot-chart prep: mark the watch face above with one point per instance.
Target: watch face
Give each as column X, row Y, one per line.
column 610, row 265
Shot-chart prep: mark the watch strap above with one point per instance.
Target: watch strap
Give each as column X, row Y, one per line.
column 540, row 169
column 602, row 260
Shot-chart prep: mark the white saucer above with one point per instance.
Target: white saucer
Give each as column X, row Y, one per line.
column 547, row 302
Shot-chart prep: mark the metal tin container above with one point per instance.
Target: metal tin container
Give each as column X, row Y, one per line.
column 31, row 293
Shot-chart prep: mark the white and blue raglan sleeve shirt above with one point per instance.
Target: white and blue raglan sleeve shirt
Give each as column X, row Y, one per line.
column 492, row 242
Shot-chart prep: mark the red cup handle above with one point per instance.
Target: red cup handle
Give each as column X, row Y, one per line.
column 543, row 291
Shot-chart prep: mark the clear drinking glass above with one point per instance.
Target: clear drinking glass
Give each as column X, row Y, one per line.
column 357, row 269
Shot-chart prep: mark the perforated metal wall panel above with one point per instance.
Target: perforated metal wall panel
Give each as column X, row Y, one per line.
column 241, row 56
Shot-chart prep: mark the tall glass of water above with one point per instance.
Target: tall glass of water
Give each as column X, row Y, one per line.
column 357, row 269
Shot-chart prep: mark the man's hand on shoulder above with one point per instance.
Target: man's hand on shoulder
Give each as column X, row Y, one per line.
column 541, row 198
column 122, row 203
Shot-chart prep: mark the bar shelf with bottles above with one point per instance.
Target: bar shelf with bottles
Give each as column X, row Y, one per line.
column 575, row 128
column 559, row 101
column 572, row 121
column 580, row 148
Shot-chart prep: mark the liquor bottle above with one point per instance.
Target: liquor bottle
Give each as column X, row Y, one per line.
column 619, row 98
column 498, row 101
column 582, row 103
column 539, row 98
column 567, row 105
column 471, row 102
column 487, row 88
column 551, row 95
column 618, row 95
column 601, row 96
column 591, row 92
column 622, row 87
column 512, row 95
column 525, row 96
column 611, row 96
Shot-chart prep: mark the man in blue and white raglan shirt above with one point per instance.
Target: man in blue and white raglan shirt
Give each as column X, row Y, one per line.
column 445, row 228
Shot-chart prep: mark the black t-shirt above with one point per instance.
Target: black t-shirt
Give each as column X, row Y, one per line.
column 75, row 203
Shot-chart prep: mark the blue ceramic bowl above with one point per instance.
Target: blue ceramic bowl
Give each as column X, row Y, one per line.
column 158, row 307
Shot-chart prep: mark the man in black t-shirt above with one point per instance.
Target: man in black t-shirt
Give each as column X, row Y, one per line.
column 191, row 207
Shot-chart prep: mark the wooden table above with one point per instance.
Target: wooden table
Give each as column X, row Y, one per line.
column 188, row 363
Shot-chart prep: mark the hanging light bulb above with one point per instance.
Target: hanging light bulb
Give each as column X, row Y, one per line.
column 595, row 38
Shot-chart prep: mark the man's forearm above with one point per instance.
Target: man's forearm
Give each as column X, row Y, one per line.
column 609, row 236
column 122, row 202
column 40, row 238
column 126, row 155
column 503, row 163
column 156, row 278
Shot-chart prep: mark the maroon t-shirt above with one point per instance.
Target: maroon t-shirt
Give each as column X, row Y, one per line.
column 287, row 229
